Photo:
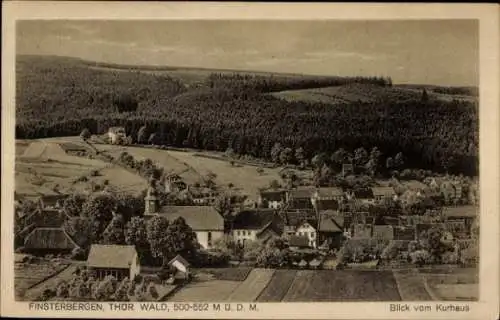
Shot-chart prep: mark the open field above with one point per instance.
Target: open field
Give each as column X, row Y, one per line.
column 277, row 288
column 462, row 284
column 28, row 276
column 44, row 168
column 244, row 177
column 326, row 285
column 250, row 289
column 411, row 285
column 361, row 93
column 162, row 158
column 212, row 290
column 230, row 274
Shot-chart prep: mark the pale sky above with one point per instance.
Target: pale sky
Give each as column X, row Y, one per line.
column 442, row 52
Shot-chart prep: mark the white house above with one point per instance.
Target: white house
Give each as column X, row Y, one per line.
column 181, row 267
column 116, row 134
column 118, row 261
column 306, row 229
column 272, row 198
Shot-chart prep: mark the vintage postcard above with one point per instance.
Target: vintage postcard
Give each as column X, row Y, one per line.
column 231, row 160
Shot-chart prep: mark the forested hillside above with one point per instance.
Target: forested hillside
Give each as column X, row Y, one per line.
column 57, row 97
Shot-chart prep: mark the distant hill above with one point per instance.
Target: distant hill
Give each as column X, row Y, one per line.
column 248, row 112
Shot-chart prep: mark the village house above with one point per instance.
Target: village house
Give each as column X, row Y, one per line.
column 257, row 224
column 361, row 197
column 384, row 193
column 271, row 198
column 47, row 240
column 202, row 195
column 300, row 197
column 180, row 268
column 327, row 198
column 116, row 135
column 331, row 229
column 404, row 233
column 303, row 224
column 205, row 221
column 119, row 261
column 465, row 214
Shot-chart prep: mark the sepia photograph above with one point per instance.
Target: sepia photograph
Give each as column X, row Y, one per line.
column 211, row 162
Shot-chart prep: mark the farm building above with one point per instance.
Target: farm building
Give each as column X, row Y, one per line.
column 258, row 224
column 361, row 197
column 300, row 221
column 116, row 135
column 331, row 229
column 272, row 198
column 467, row 214
column 381, row 193
column 300, row 198
column 205, row 221
column 119, row 261
column 180, row 268
column 42, row 241
column 327, row 198
column 45, row 218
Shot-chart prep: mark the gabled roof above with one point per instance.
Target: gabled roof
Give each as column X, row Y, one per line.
column 111, row 256
column 46, row 218
column 383, row 191
column 461, row 211
column 49, row 239
column 384, row 232
column 330, row 192
column 302, row 192
column 180, row 259
column 297, row 217
column 330, row 222
column 199, row 218
column 326, row 204
column 363, row 194
column 298, row 241
column 273, row 194
column 253, row 219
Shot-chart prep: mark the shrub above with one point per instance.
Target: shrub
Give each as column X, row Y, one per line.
column 420, row 257
column 94, row 173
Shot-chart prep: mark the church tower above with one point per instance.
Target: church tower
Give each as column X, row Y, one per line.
column 152, row 203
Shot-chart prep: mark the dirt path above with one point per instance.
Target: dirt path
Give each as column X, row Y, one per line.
column 51, row 283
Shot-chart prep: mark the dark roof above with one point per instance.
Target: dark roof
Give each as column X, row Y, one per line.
column 199, row 218
column 51, row 199
column 330, row 192
column 383, row 191
column 253, row 219
column 46, row 218
column 363, row 194
column 383, row 232
column 461, row 211
column 298, row 241
column 49, row 239
column 273, row 195
column 327, row 204
column 302, row 192
column 331, row 221
column 296, row 217
column 180, row 259
column 111, row 256
column 404, row 233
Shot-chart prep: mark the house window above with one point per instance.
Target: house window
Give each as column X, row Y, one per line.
column 312, row 234
column 209, row 239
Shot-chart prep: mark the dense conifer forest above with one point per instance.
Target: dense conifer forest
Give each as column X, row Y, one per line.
column 58, row 96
